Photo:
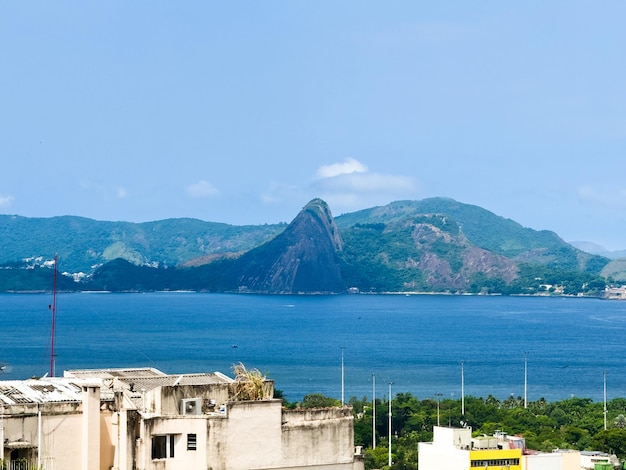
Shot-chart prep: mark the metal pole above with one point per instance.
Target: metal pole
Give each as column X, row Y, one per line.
column 604, row 373
column 438, row 395
column 373, row 411
column 389, row 459
column 525, row 380
column 1, row 432
column 342, row 378
column 53, row 308
column 39, row 441
column 462, row 388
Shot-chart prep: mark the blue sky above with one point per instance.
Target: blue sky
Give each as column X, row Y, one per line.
column 241, row 112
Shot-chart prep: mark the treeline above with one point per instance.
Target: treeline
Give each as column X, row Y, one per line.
column 575, row 423
column 535, row 279
column 121, row 275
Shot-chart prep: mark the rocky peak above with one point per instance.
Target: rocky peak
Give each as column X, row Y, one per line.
column 303, row 258
column 318, row 212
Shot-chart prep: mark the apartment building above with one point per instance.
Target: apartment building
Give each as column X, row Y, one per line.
column 144, row 419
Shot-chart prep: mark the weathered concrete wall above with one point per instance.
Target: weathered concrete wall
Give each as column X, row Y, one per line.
column 60, row 437
column 107, row 449
column 180, row 427
column 61, row 433
column 318, row 436
column 260, row 435
column 250, row 436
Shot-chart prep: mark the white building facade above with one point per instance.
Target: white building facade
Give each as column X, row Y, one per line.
column 456, row 449
column 143, row 419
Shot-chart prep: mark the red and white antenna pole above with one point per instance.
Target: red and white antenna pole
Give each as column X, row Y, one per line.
column 53, row 308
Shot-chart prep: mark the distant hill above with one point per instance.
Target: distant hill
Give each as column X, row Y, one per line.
column 615, row 270
column 486, row 230
column 83, row 244
column 433, row 245
column 599, row 250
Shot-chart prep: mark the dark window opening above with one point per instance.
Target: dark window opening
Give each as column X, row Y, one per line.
column 159, row 447
column 191, row 442
column 163, row 446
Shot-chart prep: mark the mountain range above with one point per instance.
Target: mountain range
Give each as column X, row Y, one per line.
column 596, row 249
column 432, row 245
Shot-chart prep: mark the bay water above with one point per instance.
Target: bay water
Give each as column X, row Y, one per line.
column 418, row 343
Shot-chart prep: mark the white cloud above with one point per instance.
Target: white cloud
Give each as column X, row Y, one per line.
column 104, row 191
column 349, row 185
column 349, row 166
column 6, row 201
column 202, row 189
column 371, row 182
column 345, row 186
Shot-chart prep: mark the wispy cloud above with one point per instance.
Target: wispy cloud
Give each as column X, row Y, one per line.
column 349, row 166
column 103, row 191
column 346, row 185
column 202, row 189
column 349, row 185
column 6, row 201
column 369, row 182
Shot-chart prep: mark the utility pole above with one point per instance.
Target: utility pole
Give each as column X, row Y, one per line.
column 342, row 377
column 53, row 309
column 389, row 457
column 604, row 373
column 2, row 432
column 462, row 388
column 373, row 411
column 438, row 395
column 525, row 380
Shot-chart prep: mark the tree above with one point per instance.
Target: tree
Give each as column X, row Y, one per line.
column 612, row 441
column 317, row 400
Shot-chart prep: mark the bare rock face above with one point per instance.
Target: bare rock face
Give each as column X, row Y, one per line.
column 446, row 258
column 302, row 259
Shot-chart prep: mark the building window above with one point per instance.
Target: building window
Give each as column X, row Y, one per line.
column 191, row 441
column 163, row 446
column 495, row 463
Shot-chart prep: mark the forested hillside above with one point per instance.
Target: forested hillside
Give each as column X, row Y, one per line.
column 434, row 245
column 83, row 244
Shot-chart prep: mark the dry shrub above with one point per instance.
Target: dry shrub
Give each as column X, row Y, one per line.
column 249, row 384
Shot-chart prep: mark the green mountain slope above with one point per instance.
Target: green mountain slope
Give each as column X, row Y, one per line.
column 418, row 253
column 435, row 245
column 84, row 243
column 485, row 230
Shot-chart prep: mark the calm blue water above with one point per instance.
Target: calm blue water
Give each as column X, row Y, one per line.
column 416, row 342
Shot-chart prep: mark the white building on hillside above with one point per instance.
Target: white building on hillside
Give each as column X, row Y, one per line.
column 143, row 419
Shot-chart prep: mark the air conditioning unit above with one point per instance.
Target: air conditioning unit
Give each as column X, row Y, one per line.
column 191, row 406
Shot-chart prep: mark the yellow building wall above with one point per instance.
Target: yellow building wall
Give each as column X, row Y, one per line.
column 497, row 454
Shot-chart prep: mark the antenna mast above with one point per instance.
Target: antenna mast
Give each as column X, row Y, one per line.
column 53, row 309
